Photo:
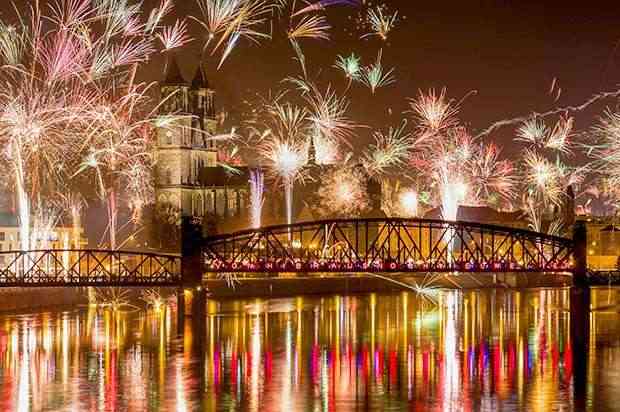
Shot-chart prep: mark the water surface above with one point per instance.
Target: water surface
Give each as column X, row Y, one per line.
column 489, row 350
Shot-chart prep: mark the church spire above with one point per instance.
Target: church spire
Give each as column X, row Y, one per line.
column 173, row 76
column 311, row 152
column 200, row 80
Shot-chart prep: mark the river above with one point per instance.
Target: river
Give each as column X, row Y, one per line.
column 450, row 350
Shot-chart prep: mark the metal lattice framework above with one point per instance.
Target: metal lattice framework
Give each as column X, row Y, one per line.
column 387, row 245
column 82, row 267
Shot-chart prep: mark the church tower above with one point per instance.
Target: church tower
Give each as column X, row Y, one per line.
column 184, row 145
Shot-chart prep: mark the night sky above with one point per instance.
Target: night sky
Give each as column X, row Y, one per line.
column 508, row 52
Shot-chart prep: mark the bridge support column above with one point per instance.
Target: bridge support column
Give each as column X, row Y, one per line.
column 580, row 246
column 191, row 272
column 580, row 314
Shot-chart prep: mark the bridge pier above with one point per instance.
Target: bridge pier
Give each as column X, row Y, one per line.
column 580, row 297
column 191, row 293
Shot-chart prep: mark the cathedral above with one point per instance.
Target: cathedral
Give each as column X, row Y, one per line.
column 190, row 181
column 188, row 178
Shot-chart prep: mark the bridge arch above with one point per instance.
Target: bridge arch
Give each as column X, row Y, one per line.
column 387, row 245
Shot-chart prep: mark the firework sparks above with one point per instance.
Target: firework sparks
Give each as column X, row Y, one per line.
column 282, row 149
column 389, row 150
column 492, row 176
column 543, row 177
column 434, row 112
column 232, row 20
column 176, row 36
column 381, row 22
column 408, row 203
column 344, row 193
column 350, row 66
column 533, row 131
column 328, row 114
column 323, row 4
column 559, row 136
column 308, row 27
column 60, row 85
column 257, row 189
column 374, row 76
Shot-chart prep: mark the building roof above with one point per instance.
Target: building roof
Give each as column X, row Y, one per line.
column 479, row 214
column 173, row 76
column 221, row 176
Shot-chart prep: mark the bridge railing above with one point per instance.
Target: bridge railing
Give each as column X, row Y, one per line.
column 387, row 245
column 88, row 267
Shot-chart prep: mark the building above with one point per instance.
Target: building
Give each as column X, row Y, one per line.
column 57, row 238
column 484, row 214
column 188, row 178
column 603, row 236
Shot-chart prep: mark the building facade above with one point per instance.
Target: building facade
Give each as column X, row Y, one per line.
column 60, row 237
column 188, row 178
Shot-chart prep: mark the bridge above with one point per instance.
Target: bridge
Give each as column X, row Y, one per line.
column 346, row 246
column 387, row 245
column 88, row 267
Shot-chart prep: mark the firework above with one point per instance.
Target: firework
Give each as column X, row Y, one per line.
column 308, row 27
column 408, row 203
column 559, row 136
column 68, row 89
column 544, row 178
column 533, row 131
column 112, row 298
column 120, row 152
column 434, row 112
column 176, row 36
column 323, row 4
column 454, row 191
column 350, row 66
column 282, row 149
column 381, row 22
column 374, row 76
column 232, row 20
column 492, row 176
column 287, row 160
column 256, row 197
column 328, row 114
column 344, row 193
column 390, row 149
column 607, row 148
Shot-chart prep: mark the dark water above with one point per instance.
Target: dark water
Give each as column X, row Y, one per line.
column 490, row 350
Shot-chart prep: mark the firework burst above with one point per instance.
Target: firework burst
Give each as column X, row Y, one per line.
column 434, row 112
column 389, row 150
column 344, row 193
column 381, row 22
column 375, row 77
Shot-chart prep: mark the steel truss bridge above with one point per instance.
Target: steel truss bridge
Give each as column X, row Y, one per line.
column 331, row 246
column 87, row 267
column 387, row 245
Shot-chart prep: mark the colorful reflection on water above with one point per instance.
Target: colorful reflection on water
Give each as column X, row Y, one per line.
column 489, row 350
